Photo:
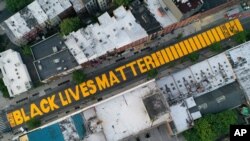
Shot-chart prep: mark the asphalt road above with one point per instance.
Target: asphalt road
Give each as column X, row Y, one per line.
column 130, row 80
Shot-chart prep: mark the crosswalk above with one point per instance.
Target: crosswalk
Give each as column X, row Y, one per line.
column 4, row 127
column 203, row 40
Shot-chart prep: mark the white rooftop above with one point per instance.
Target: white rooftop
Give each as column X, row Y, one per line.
column 95, row 137
column 77, row 5
column 112, row 32
column 180, row 116
column 41, row 11
column 37, row 12
column 198, row 79
column 15, row 74
column 166, row 19
column 240, row 57
column 190, row 102
column 17, row 25
column 126, row 115
column 52, row 8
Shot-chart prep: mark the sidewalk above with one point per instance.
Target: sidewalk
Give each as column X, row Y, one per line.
column 160, row 41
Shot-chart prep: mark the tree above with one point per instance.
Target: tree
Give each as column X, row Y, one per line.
column 204, row 130
column 3, row 43
column 4, row 89
column 33, row 123
column 193, row 57
column 241, row 37
column 69, row 25
column 247, row 35
column 211, row 126
column 16, row 5
column 79, row 76
column 179, row 36
column 26, row 50
column 216, row 47
column 122, row 2
column 152, row 73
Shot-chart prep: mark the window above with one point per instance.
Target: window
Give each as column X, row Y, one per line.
column 147, row 135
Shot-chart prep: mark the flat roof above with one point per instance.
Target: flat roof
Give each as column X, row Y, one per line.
column 224, row 98
column 187, row 5
column 165, row 19
column 55, row 64
column 71, row 128
column 78, row 5
column 48, row 47
column 52, row 8
column 33, row 15
column 240, row 57
column 126, row 115
column 155, row 106
column 144, row 17
column 180, row 116
column 15, row 74
column 97, row 39
column 37, row 12
column 17, row 25
column 197, row 79
column 99, row 136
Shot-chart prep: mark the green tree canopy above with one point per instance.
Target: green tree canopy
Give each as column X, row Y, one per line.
column 79, row 76
column 69, row 25
column 26, row 50
column 16, row 5
column 3, row 43
column 240, row 37
column 193, row 57
column 216, row 47
column 212, row 126
column 4, row 89
column 152, row 73
column 33, row 123
column 122, row 2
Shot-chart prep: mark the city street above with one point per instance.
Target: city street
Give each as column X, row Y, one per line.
column 131, row 80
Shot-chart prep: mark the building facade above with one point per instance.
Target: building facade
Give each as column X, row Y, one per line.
column 104, row 4
column 91, row 6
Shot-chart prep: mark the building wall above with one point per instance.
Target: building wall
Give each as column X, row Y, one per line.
column 91, row 6
column 104, row 4
column 173, row 8
column 57, row 76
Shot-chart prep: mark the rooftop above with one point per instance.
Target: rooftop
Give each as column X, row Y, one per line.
column 163, row 16
column 144, row 17
column 197, row 79
column 52, row 45
column 77, row 5
column 240, row 60
column 224, row 98
column 118, row 115
column 187, row 5
column 52, row 57
column 155, row 106
column 181, row 117
column 52, row 8
column 35, row 14
column 26, row 19
column 112, row 32
column 71, row 128
column 55, row 64
column 15, row 73
column 17, row 25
